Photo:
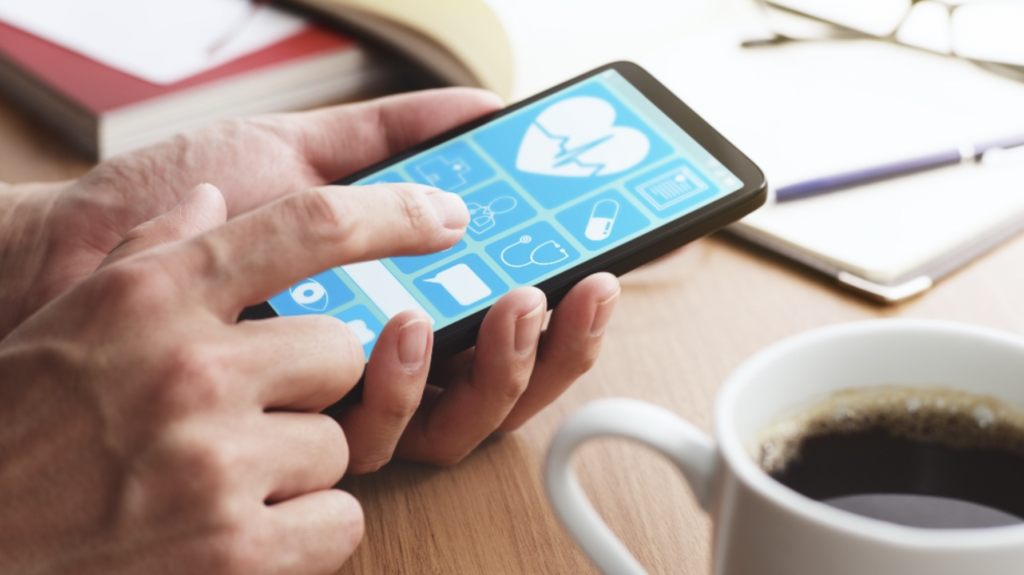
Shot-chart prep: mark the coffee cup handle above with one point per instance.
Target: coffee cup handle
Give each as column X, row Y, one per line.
column 691, row 450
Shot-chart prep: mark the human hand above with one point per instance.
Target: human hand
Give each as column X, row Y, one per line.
column 54, row 236
column 511, row 374
column 144, row 431
column 440, row 415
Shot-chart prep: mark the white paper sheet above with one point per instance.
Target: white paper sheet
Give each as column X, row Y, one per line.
column 160, row 41
column 809, row 109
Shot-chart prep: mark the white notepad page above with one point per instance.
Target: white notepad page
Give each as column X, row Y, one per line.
column 808, row 109
column 160, row 41
column 883, row 231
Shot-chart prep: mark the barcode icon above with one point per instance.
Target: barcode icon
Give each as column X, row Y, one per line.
column 671, row 188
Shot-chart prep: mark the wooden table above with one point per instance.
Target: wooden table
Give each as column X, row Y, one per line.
column 682, row 325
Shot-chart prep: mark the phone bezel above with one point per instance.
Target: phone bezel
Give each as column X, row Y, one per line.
column 461, row 334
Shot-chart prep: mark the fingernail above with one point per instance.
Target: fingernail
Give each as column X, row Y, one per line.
column 528, row 330
column 603, row 314
column 451, row 210
column 412, row 343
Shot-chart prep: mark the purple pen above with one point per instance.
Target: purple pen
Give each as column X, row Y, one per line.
column 842, row 181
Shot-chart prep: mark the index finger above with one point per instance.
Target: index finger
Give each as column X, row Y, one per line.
column 259, row 254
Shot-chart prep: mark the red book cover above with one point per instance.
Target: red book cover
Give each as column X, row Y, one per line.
column 99, row 88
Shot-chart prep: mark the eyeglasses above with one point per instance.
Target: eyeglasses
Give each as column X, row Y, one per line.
column 987, row 31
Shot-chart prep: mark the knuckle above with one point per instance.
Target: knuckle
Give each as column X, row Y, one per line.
column 192, row 361
column 202, row 473
column 249, row 127
column 130, row 285
column 335, row 442
column 211, row 460
column 209, row 464
column 196, row 375
column 133, row 170
column 231, row 128
column 137, row 233
column 322, row 217
column 400, row 408
column 513, row 387
column 411, row 209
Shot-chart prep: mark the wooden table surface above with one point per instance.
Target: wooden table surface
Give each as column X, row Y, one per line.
column 683, row 324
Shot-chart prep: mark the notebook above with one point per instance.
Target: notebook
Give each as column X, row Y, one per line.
column 517, row 48
column 115, row 75
column 158, row 41
column 807, row 109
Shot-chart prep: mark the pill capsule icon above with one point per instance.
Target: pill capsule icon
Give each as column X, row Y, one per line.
column 602, row 218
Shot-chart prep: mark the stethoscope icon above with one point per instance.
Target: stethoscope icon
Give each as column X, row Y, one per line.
column 524, row 240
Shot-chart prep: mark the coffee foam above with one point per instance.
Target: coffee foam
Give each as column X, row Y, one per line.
column 952, row 418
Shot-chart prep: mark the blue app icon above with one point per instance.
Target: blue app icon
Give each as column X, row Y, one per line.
column 532, row 252
column 391, row 177
column 602, row 220
column 453, row 167
column 462, row 285
column 411, row 264
column 675, row 187
column 318, row 294
column 364, row 324
column 559, row 149
column 495, row 209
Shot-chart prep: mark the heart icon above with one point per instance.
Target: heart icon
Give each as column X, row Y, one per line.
column 577, row 137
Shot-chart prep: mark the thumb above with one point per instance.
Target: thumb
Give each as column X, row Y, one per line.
column 200, row 210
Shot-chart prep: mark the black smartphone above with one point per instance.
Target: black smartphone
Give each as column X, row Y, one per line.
column 605, row 172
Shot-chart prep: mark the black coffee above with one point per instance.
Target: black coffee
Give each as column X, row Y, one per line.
column 926, row 458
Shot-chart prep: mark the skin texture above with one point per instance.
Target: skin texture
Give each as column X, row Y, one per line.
column 144, row 431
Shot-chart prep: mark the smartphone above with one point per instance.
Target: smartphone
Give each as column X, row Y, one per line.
column 605, row 172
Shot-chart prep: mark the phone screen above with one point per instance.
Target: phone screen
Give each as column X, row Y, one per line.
column 548, row 186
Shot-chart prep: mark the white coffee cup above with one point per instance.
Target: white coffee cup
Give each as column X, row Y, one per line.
column 762, row 527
